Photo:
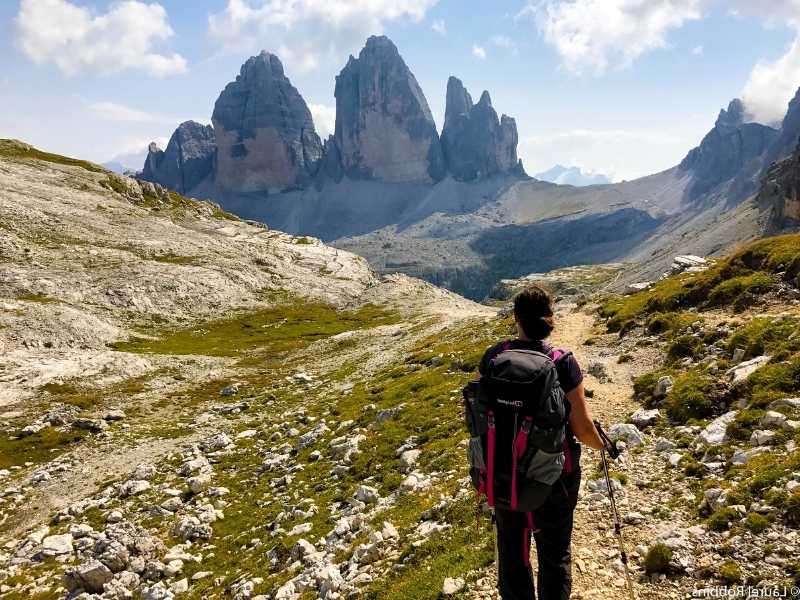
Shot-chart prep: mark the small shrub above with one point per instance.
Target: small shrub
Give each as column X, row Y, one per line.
column 691, row 397
column 657, row 559
column 729, row 290
column 624, row 358
column 720, row 520
column 741, row 428
column 756, row 523
column 730, row 572
column 691, row 467
column 792, row 507
column 686, row 346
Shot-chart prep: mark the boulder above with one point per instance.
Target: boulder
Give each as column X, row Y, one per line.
column 663, row 387
column 476, row 143
column 773, row 419
column 384, row 127
column 266, row 141
column 367, row 494
column 451, row 586
column 715, row 432
column 57, row 545
column 634, row 288
column 627, row 432
column 743, row 370
column 644, row 418
column 715, row 498
column 90, row 577
column 761, row 437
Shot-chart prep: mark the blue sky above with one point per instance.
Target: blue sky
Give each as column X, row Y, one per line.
column 624, row 87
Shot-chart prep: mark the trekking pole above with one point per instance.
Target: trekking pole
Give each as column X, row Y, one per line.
column 613, row 451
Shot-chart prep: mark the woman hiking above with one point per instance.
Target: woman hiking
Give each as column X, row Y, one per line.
column 551, row 523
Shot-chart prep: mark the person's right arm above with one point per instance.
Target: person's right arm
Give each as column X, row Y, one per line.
column 580, row 419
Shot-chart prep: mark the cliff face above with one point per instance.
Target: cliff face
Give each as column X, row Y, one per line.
column 476, row 143
column 733, row 149
column 187, row 161
column 384, row 128
column 779, row 197
column 265, row 134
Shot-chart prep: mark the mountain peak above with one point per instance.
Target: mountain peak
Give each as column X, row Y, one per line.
column 458, row 101
column 378, row 102
column 263, row 65
column 265, row 133
column 732, row 117
column 476, row 143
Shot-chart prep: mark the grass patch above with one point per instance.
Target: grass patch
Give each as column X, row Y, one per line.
column 175, row 259
column 692, row 397
column 657, row 559
column 11, row 149
column 734, row 281
column 268, row 332
column 38, row 298
column 40, row 447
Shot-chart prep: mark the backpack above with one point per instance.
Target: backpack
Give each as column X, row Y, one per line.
column 516, row 414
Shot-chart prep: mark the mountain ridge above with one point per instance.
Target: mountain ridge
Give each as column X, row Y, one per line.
column 388, row 186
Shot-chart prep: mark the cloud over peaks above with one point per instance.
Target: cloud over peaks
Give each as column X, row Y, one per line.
column 306, row 33
column 593, row 36
column 77, row 40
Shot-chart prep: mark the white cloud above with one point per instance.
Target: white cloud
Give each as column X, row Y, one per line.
column 307, row 33
column 618, row 153
column 324, row 119
column 111, row 111
column 592, row 36
column 698, row 50
column 772, row 84
column 504, row 42
column 75, row 39
column 439, row 27
column 604, row 135
column 479, row 52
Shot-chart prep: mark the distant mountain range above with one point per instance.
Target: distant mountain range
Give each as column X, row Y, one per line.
column 455, row 207
column 572, row 176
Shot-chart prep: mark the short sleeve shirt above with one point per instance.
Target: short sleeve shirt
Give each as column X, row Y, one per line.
column 570, row 375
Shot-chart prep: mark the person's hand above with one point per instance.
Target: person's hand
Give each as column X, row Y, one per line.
column 612, row 450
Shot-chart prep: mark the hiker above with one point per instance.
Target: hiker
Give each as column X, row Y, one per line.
column 551, row 523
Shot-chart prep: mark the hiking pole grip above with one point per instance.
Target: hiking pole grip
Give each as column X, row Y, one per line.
column 610, row 446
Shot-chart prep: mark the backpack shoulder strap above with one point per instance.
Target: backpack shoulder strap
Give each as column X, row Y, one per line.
column 559, row 354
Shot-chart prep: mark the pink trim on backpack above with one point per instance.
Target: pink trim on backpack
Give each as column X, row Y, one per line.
column 517, row 450
column 490, row 461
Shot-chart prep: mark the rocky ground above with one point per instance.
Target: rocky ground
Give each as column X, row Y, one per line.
column 195, row 406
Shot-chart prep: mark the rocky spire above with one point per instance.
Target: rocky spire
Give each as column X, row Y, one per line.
column 733, row 149
column 384, row 127
column 187, row 161
column 458, row 102
column 265, row 134
column 476, row 143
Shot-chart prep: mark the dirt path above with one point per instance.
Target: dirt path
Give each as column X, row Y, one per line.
column 595, row 575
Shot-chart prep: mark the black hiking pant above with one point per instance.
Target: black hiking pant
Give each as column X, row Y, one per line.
column 552, row 526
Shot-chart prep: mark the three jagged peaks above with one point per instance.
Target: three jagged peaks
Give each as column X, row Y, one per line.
column 263, row 137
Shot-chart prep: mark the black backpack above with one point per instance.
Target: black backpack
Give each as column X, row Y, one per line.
column 516, row 414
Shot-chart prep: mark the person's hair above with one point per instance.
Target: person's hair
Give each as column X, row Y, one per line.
column 533, row 310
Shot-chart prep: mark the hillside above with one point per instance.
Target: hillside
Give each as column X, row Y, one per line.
column 196, row 406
